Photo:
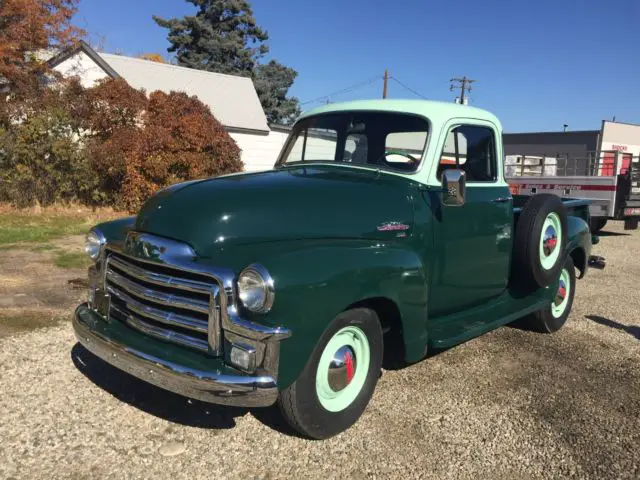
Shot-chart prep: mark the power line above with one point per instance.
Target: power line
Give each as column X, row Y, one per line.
column 349, row 89
column 464, row 84
column 408, row 88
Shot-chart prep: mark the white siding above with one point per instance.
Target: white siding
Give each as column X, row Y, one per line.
column 623, row 137
column 82, row 66
column 259, row 152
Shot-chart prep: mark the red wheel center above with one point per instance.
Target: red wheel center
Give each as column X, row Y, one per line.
column 348, row 362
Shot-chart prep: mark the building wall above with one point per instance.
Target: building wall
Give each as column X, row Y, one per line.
column 551, row 143
column 82, row 66
column 623, row 137
column 259, row 152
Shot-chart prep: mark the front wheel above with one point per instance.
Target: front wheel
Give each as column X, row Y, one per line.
column 339, row 379
column 551, row 318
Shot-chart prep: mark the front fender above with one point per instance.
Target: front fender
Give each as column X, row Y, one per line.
column 115, row 231
column 317, row 281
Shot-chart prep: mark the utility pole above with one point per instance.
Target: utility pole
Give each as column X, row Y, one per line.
column 385, row 88
column 464, row 84
column 564, row 127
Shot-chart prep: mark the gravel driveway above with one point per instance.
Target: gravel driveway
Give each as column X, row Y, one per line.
column 511, row 404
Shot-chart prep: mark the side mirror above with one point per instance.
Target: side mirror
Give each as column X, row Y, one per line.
column 453, row 188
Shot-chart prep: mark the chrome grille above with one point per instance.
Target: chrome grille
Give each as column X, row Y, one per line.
column 177, row 306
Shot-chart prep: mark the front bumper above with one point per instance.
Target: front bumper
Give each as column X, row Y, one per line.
column 148, row 361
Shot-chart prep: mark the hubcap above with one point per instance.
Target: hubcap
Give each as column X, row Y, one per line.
column 550, row 240
column 342, row 368
column 561, row 300
column 561, row 294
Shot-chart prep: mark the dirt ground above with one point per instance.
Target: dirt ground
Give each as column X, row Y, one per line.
column 512, row 404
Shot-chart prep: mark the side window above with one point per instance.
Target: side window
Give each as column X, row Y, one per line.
column 471, row 149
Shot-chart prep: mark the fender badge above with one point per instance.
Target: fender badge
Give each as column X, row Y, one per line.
column 392, row 227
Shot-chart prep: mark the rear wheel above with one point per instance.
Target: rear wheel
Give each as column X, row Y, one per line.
column 338, row 381
column 552, row 318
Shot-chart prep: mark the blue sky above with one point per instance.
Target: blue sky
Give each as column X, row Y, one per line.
column 538, row 63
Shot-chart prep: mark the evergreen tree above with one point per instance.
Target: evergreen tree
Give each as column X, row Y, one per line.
column 272, row 81
column 223, row 37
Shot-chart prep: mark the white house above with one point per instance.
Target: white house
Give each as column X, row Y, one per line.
column 233, row 100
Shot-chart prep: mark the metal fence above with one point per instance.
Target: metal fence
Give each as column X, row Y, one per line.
column 600, row 164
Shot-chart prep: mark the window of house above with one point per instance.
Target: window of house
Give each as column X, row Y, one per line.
column 472, row 149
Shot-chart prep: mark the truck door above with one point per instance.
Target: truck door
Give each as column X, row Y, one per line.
column 473, row 241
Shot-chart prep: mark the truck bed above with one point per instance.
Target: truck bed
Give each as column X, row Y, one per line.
column 575, row 207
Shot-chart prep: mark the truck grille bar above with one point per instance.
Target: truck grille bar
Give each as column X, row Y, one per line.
column 176, row 306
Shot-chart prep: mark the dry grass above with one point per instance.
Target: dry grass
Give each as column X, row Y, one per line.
column 39, row 225
column 19, row 320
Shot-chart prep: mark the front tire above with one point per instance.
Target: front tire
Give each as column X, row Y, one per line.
column 338, row 381
column 553, row 317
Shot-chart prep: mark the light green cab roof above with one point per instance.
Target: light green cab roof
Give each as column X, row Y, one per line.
column 437, row 112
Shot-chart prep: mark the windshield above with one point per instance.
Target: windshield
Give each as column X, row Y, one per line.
column 393, row 141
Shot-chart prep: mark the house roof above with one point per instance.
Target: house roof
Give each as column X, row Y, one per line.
column 233, row 100
column 81, row 46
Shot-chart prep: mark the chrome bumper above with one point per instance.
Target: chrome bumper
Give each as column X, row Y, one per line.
column 208, row 386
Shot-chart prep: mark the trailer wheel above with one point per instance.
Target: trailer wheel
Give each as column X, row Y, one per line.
column 540, row 241
column 596, row 224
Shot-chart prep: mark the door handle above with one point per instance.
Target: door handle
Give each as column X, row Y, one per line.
column 502, row 199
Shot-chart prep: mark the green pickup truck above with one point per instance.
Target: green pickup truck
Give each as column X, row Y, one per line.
column 385, row 230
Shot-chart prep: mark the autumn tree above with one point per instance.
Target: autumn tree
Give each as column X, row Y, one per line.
column 181, row 140
column 29, row 29
column 152, row 57
column 223, row 36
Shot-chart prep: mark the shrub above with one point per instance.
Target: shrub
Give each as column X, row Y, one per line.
column 107, row 145
column 41, row 162
column 175, row 138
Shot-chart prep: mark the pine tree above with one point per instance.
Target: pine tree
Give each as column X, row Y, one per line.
column 223, row 37
column 272, row 81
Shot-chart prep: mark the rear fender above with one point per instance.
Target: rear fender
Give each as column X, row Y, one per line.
column 578, row 243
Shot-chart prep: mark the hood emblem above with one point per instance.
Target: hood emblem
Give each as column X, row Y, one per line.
column 139, row 245
column 392, row 227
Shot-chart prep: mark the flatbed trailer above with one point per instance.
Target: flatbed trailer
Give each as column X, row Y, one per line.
column 610, row 179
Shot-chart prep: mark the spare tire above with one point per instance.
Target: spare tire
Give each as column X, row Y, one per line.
column 540, row 241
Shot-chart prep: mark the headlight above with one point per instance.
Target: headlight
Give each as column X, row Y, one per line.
column 255, row 289
column 93, row 244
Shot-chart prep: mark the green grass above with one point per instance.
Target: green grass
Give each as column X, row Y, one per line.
column 16, row 227
column 72, row 260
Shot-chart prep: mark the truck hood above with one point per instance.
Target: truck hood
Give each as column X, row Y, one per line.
column 310, row 202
